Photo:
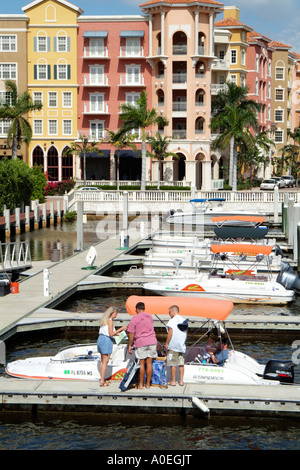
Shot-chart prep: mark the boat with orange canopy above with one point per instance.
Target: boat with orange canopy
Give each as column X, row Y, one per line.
column 237, row 368
column 228, row 279
column 81, row 362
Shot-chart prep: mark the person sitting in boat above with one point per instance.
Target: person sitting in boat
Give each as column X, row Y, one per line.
column 210, row 348
column 221, row 354
column 175, row 343
column 105, row 340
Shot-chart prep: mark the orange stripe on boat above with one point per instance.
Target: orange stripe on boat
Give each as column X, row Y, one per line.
column 188, row 306
column 240, row 248
column 243, row 218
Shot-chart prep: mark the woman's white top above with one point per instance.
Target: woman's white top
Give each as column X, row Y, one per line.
column 103, row 330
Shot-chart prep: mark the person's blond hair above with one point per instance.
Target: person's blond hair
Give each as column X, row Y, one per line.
column 107, row 314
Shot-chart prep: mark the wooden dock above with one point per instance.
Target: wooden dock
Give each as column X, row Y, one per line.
column 30, row 310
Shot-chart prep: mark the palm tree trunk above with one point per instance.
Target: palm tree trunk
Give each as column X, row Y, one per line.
column 234, row 169
column 14, row 149
column 84, row 168
column 143, row 176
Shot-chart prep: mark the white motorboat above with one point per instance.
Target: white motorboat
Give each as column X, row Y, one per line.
column 239, row 368
column 237, row 282
column 81, row 362
column 203, row 210
column 78, row 362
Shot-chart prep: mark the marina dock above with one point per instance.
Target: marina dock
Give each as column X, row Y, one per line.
column 31, row 310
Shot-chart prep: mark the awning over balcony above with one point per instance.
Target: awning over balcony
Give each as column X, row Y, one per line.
column 105, row 154
column 132, row 34
column 128, row 154
column 95, row 34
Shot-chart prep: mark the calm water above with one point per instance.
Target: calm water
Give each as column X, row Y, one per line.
column 120, row 432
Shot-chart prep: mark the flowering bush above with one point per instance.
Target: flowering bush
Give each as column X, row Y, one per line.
column 58, row 188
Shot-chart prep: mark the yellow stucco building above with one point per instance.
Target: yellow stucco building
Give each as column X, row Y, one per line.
column 52, row 80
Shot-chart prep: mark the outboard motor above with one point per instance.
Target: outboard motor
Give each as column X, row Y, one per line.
column 289, row 280
column 277, row 250
column 280, row 371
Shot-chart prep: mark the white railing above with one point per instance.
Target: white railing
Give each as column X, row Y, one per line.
column 15, row 256
column 132, row 80
column 91, row 52
column 131, row 51
column 91, row 108
column 96, row 80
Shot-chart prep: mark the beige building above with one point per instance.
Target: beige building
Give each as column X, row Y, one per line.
column 13, row 66
column 181, row 53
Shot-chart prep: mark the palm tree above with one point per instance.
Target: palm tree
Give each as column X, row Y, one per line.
column 138, row 116
column 235, row 115
column 83, row 147
column 19, row 105
column 159, row 146
column 256, row 154
column 120, row 141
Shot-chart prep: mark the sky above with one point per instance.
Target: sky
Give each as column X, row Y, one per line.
column 276, row 19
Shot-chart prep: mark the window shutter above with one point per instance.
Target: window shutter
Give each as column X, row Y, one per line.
column 35, row 44
column 55, row 72
column 48, row 45
column 35, row 72
column 68, row 44
column 54, row 44
column 49, row 72
column 69, row 72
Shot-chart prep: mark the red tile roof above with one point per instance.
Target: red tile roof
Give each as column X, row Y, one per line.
column 279, row 45
column 253, row 35
column 177, row 2
column 231, row 22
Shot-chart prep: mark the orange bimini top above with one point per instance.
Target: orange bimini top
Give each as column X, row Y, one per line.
column 242, row 248
column 188, row 306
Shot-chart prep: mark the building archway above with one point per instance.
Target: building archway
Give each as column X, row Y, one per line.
column 38, row 157
column 179, row 167
column 52, row 164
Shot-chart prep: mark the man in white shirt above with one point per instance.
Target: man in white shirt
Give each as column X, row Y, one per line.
column 175, row 343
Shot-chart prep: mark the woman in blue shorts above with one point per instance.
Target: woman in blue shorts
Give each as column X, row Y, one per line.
column 105, row 340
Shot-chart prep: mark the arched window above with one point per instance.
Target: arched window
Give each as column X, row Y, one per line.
column 67, row 165
column 179, row 43
column 38, row 157
column 52, row 164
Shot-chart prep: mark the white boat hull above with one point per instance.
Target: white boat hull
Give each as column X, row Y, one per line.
column 236, row 290
column 74, row 363
column 205, row 218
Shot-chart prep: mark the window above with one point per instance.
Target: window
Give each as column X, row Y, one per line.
column 8, row 71
column 37, row 126
column 97, row 47
column 67, row 99
column 97, row 75
column 4, row 127
column 133, row 74
column 61, row 44
column 234, row 57
column 8, row 43
column 221, row 55
column 52, row 127
column 279, row 94
column 52, row 99
column 37, row 97
column 243, row 57
column 132, row 98
column 233, row 79
column 132, row 46
column 279, row 115
column 257, row 63
column 97, row 130
column 62, row 72
column 42, row 72
column 279, row 137
column 243, row 80
column 97, row 102
column 5, row 98
column 279, row 73
column 67, row 127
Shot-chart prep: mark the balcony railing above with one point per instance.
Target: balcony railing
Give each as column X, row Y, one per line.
column 132, row 80
column 91, row 52
column 179, row 78
column 180, row 49
column 179, row 134
column 99, row 80
column 90, row 108
column 179, row 106
column 131, row 51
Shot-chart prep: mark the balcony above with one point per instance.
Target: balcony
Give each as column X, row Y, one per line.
column 180, row 49
column 131, row 52
column 132, row 80
column 96, row 80
column 95, row 53
column 178, row 106
column 220, row 64
column 179, row 78
column 99, row 108
column 179, row 134
column 216, row 88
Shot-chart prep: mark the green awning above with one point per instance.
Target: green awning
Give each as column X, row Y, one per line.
column 95, row 34
column 132, row 34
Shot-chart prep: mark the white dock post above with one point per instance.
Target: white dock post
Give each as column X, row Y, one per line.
column 58, row 212
column 36, row 214
column 27, row 218
column 79, row 225
column 44, row 216
column 18, row 220
column 7, row 223
column 276, row 202
column 46, row 276
column 51, row 214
